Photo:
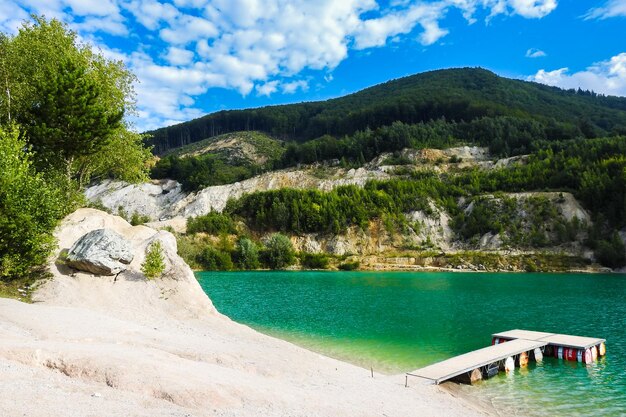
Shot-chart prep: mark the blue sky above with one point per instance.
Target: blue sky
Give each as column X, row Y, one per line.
column 194, row 57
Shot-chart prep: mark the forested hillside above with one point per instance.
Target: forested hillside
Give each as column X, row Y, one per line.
column 474, row 99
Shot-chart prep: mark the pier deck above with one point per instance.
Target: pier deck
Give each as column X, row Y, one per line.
column 442, row 371
column 517, row 341
column 577, row 342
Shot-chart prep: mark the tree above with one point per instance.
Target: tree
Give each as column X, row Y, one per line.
column 30, row 206
column 154, row 264
column 69, row 119
column 279, row 252
column 71, row 101
column 247, row 254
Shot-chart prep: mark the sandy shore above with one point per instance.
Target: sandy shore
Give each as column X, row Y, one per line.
column 96, row 346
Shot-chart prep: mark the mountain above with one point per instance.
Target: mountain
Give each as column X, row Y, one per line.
column 457, row 95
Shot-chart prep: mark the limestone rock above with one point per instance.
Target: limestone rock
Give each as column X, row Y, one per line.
column 101, row 252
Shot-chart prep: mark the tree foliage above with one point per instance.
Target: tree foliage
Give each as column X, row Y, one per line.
column 279, row 252
column 30, row 206
column 247, row 254
column 71, row 103
column 62, row 109
column 459, row 95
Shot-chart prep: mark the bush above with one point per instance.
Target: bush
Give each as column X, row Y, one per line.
column 213, row 223
column 349, row 266
column 314, row 260
column 137, row 219
column 279, row 252
column 247, row 254
column 212, row 259
column 611, row 252
column 30, row 207
column 154, row 264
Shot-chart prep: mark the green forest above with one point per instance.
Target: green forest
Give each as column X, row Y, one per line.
column 462, row 96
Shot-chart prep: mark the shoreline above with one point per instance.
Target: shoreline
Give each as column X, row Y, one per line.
column 120, row 346
column 386, row 268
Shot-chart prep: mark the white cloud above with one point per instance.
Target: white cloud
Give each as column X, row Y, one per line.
column 179, row 56
column 182, row 48
column 375, row 32
column 268, row 88
column 612, row 8
column 533, row 8
column 535, row 53
column 293, row 86
column 150, row 13
column 606, row 77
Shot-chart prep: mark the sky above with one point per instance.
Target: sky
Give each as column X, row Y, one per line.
column 193, row 57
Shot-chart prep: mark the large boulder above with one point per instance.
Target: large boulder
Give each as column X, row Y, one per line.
column 101, row 252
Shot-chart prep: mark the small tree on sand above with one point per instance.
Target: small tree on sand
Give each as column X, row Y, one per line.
column 154, row 264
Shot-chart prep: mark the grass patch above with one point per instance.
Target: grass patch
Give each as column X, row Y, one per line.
column 22, row 288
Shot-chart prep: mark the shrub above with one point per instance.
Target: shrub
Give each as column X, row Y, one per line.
column 154, row 264
column 611, row 252
column 30, row 206
column 212, row 259
column 314, row 260
column 279, row 252
column 247, row 254
column 213, row 223
column 137, row 219
column 349, row 266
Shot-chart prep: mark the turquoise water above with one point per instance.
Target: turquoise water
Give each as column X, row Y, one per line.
column 397, row 322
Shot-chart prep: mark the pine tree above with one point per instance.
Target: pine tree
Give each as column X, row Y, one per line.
column 70, row 120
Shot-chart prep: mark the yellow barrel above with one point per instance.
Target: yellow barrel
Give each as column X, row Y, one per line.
column 602, row 349
column 523, row 359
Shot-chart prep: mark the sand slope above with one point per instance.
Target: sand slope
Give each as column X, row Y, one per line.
column 100, row 346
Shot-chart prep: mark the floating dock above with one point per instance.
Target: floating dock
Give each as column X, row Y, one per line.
column 511, row 348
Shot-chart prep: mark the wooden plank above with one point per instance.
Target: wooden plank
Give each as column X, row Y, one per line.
column 577, row 342
column 444, row 370
column 523, row 334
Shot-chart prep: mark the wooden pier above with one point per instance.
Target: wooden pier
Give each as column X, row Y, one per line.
column 513, row 345
column 553, row 339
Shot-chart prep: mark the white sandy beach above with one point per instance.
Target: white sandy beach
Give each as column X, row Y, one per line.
column 96, row 346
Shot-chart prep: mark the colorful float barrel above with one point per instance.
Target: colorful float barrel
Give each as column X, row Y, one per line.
column 602, row 349
column 575, row 355
column 523, row 359
column 508, row 364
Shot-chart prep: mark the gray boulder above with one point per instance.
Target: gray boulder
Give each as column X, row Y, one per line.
column 101, row 252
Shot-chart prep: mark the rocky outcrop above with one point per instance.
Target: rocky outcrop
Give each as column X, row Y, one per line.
column 101, row 252
column 164, row 200
column 177, row 288
column 154, row 199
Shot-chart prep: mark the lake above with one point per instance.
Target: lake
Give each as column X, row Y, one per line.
column 397, row 322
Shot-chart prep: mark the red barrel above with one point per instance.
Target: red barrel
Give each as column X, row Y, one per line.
column 575, row 355
column 570, row 354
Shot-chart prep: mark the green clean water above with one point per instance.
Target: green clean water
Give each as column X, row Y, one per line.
column 398, row 322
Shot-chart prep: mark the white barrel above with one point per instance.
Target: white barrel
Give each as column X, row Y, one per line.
column 538, row 355
column 509, row 364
